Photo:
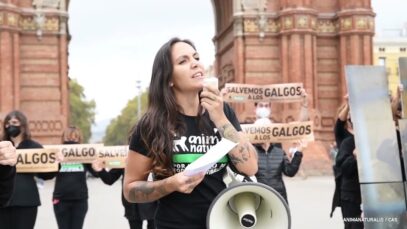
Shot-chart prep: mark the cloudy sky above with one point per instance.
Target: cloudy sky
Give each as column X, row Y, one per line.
column 114, row 42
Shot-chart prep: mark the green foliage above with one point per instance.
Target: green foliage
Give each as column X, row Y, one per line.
column 82, row 112
column 117, row 132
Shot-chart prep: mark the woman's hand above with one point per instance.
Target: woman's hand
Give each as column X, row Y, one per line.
column 59, row 157
column 212, row 101
column 8, row 155
column 185, row 184
column 304, row 95
column 98, row 165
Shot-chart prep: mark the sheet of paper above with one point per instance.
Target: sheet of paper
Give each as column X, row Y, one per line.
column 214, row 154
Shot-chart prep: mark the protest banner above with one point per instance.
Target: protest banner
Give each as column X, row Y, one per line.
column 36, row 160
column 83, row 153
column 279, row 132
column 289, row 92
column 114, row 156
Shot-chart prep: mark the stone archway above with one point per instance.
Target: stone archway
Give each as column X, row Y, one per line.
column 282, row 41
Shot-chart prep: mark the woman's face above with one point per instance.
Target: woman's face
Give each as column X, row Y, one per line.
column 13, row 127
column 13, row 122
column 188, row 72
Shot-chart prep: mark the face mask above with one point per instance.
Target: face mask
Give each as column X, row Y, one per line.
column 70, row 142
column 263, row 112
column 13, row 131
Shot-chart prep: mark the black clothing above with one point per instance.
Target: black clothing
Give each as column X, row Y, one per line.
column 351, row 210
column 70, row 214
column 346, row 161
column 188, row 211
column 347, row 191
column 132, row 211
column 340, row 132
column 70, row 197
column 7, row 179
column 138, row 224
column 273, row 163
column 26, row 191
column 21, row 212
column 70, row 182
column 403, row 171
column 18, row 217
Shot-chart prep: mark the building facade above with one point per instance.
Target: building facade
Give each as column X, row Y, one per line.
column 387, row 52
column 33, row 64
column 288, row 41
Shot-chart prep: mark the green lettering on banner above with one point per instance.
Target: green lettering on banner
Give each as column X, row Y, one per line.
column 191, row 157
column 71, row 167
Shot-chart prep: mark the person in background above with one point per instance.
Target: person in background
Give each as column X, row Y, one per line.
column 350, row 194
column 21, row 212
column 135, row 213
column 273, row 161
column 342, row 124
column 70, row 197
column 8, row 160
column 347, row 193
column 184, row 118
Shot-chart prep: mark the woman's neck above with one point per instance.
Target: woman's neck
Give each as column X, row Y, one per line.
column 189, row 102
column 17, row 140
column 265, row 146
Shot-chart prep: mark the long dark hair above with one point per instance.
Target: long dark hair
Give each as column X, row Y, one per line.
column 157, row 127
column 23, row 125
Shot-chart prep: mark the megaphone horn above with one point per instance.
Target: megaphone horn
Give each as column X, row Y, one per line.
column 248, row 205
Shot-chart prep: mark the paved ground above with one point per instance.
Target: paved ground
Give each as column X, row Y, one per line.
column 310, row 201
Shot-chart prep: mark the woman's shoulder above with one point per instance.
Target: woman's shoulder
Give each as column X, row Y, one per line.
column 29, row 144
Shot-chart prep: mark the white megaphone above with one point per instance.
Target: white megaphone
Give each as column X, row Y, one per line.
column 248, row 205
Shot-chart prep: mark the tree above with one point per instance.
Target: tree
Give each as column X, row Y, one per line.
column 82, row 112
column 117, row 132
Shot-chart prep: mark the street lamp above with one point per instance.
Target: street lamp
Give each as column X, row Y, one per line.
column 138, row 86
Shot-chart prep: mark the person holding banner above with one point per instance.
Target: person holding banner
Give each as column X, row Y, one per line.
column 8, row 159
column 135, row 213
column 21, row 212
column 274, row 162
column 347, row 193
column 184, row 118
column 70, row 197
column 263, row 109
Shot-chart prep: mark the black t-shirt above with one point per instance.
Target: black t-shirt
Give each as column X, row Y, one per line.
column 70, row 183
column 26, row 191
column 179, row 210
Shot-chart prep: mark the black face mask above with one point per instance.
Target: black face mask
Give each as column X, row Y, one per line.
column 70, row 142
column 13, row 131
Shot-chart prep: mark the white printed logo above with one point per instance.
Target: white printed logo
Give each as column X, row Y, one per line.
column 181, row 143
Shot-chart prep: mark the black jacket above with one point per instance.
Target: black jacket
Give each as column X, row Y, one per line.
column 7, row 179
column 347, row 186
column 26, row 191
column 273, row 164
column 132, row 211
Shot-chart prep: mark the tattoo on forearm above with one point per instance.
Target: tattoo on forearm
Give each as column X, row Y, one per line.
column 144, row 190
column 229, row 132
